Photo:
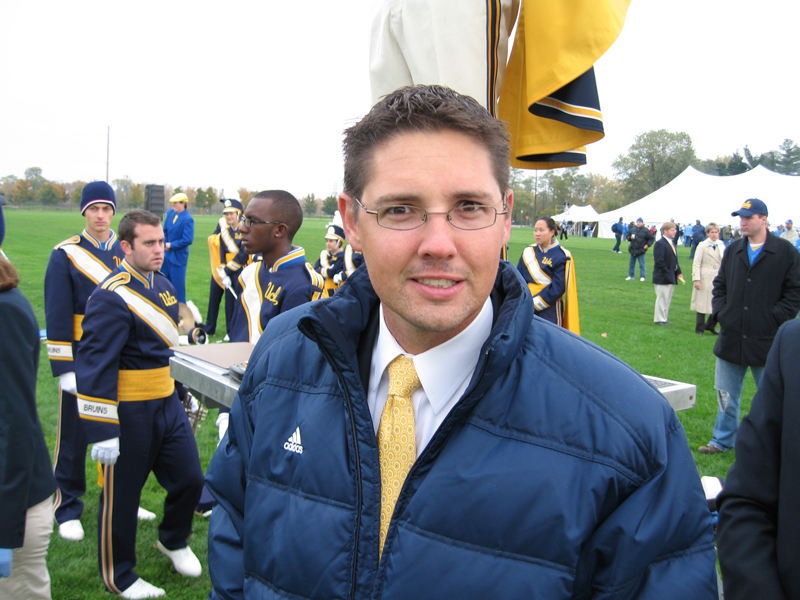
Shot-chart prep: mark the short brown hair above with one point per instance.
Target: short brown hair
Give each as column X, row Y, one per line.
column 667, row 225
column 422, row 109
column 711, row 226
column 127, row 226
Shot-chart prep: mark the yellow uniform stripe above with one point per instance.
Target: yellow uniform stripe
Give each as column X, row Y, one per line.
column 77, row 327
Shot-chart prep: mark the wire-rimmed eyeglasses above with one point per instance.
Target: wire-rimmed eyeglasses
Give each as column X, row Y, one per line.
column 466, row 215
column 247, row 222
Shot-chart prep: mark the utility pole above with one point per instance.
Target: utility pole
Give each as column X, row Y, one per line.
column 108, row 147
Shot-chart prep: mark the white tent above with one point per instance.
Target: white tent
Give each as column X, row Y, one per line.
column 577, row 213
column 694, row 195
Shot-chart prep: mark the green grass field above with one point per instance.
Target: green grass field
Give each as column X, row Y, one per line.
column 615, row 314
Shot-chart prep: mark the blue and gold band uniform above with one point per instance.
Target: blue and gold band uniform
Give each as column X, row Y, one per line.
column 329, row 265
column 225, row 250
column 266, row 293
column 550, row 275
column 125, row 391
column 75, row 268
column 352, row 260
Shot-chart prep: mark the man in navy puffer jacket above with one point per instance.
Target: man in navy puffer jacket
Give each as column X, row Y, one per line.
column 545, row 467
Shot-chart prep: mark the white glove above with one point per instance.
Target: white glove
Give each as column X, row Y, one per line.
column 222, row 423
column 337, row 279
column 226, row 280
column 67, row 383
column 106, row 451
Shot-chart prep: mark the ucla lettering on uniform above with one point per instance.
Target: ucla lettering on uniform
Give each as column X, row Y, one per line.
column 117, row 260
column 547, row 261
column 271, row 294
column 168, row 298
column 94, row 408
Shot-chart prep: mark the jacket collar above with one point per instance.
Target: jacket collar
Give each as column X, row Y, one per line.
column 323, row 320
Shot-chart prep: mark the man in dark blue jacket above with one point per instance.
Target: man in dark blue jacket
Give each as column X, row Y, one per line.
column 698, row 235
column 617, row 228
column 421, row 435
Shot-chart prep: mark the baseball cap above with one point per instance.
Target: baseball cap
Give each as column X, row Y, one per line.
column 751, row 207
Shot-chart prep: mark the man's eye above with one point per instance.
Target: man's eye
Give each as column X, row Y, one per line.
column 397, row 211
column 469, row 207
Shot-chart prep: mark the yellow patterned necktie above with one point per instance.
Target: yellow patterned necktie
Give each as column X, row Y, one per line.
column 397, row 443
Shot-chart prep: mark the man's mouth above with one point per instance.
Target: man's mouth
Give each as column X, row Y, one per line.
column 438, row 283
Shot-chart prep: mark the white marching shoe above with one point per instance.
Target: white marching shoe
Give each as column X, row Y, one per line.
column 141, row 589
column 145, row 515
column 71, row 530
column 183, row 559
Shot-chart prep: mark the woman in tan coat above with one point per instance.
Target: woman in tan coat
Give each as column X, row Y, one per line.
column 704, row 268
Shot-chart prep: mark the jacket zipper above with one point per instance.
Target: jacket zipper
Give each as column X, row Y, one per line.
column 359, row 491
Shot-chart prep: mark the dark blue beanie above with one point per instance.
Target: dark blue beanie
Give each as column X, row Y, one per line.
column 98, row 191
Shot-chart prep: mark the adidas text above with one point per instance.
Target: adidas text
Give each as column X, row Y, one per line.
column 294, row 444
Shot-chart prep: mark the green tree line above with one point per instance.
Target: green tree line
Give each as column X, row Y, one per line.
column 653, row 160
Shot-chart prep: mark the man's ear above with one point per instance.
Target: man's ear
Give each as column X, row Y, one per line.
column 126, row 247
column 281, row 230
column 346, row 204
column 510, row 207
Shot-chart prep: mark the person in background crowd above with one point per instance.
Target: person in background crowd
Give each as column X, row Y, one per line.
column 282, row 278
column 704, row 269
column 331, row 263
column 666, row 272
column 759, row 510
column 698, row 235
column 641, row 238
column 178, row 236
column 131, row 412
column 756, row 290
column 75, row 268
column 790, row 233
column 227, row 259
column 617, row 228
column 549, row 271
column 726, row 235
column 26, row 475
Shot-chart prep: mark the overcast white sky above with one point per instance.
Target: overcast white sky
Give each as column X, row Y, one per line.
column 256, row 94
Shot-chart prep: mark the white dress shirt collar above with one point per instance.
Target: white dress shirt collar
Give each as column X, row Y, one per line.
column 444, row 372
